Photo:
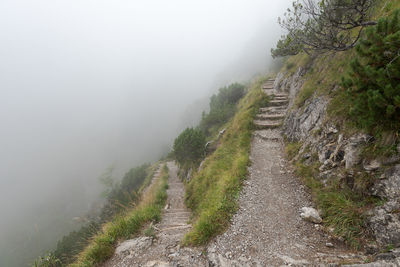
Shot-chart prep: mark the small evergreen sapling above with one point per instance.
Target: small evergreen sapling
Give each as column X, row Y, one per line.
column 373, row 84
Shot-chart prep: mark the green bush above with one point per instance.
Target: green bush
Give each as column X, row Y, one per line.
column 189, row 147
column 222, row 107
column 373, row 83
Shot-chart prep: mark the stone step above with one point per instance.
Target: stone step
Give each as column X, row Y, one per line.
column 276, row 103
column 267, row 124
column 269, row 92
column 175, row 227
column 268, row 87
column 273, row 110
column 177, row 213
column 173, row 221
column 268, row 135
column 177, row 210
column 272, row 92
column 270, row 116
column 279, row 97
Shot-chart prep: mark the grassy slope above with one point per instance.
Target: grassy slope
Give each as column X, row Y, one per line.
column 212, row 193
column 342, row 208
column 326, row 72
column 125, row 226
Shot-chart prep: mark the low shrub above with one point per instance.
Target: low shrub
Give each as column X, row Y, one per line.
column 222, row 107
column 373, row 81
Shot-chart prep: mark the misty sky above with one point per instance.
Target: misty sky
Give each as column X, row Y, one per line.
column 87, row 84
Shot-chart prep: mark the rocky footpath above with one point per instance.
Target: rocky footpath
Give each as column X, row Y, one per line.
column 269, row 229
column 341, row 157
column 276, row 224
column 162, row 247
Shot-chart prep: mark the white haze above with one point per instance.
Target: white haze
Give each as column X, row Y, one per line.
column 86, row 84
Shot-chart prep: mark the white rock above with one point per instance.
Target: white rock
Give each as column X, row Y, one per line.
column 310, row 214
column 329, row 245
column 157, row 264
column 373, row 165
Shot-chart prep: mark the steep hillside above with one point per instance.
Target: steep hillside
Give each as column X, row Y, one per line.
column 302, row 169
column 351, row 165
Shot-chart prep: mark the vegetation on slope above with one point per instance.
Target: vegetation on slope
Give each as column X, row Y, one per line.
column 125, row 226
column 365, row 101
column 373, row 81
column 222, row 108
column 342, row 208
column 189, row 148
column 119, row 196
column 213, row 191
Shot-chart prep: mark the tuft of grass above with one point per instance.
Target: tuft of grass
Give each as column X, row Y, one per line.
column 213, row 192
column 341, row 208
column 292, row 149
column 150, row 231
column 342, row 213
column 123, row 227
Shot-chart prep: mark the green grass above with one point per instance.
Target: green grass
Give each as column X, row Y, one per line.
column 125, row 226
column 341, row 208
column 292, row 149
column 213, row 192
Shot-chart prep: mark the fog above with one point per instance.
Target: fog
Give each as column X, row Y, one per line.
column 87, row 84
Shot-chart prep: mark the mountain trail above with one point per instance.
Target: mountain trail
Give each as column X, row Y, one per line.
column 163, row 249
column 267, row 230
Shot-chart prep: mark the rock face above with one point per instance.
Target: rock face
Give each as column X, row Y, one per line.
column 340, row 157
column 385, row 220
column 299, row 124
column 310, row 214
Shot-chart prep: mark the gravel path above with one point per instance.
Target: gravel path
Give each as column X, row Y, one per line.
column 267, row 230
column 164, row 248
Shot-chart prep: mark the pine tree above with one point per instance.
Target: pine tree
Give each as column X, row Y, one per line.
column 373, row 84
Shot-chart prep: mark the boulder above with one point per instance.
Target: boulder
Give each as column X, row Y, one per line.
column 353, row 149
column 310, row 214
column 133, row 245
column 389, row 187
column 372, row 165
